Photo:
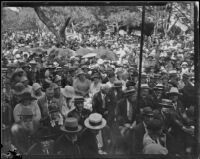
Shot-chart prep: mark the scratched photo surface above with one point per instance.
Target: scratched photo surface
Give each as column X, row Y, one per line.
column 100, row 80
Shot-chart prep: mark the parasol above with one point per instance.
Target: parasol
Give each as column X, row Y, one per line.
column 83, row 51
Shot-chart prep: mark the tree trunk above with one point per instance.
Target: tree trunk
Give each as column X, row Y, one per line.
column 60, row 35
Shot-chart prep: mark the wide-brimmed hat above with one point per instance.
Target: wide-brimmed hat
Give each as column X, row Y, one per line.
column 71, row 126
column 184, row 63
column 145, row 86
column 44, row 134
column 166, row 103
column 95, row 75
column 95, row 121
column 159, row 86
column 174, row 91
column 26, row 95
column 33, row 62
column 80, row 72
column 36, row 86
column 23, row 79
column 68, row 91
column 19, row 88
column 130, row 83
column 117, row 84
column 79, row 99
column 129, row 92
column 57, row 78
column 147, row 111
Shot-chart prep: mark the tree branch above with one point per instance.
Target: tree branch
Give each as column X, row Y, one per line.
column 62, row 29
column 46, row 21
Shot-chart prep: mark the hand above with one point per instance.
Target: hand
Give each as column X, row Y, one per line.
column 188, row 130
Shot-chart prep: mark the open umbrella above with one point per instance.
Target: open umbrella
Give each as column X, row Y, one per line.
column 106, row 55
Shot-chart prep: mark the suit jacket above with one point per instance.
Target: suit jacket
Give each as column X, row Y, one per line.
column 64, row 146
column 80, row 116
column 122, row 117
column 137, row 139
column 97, row 104
column 111, row 104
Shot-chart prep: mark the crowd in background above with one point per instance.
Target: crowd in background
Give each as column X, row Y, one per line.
column 89, row 106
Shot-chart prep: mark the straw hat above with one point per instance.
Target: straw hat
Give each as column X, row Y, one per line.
column 95, row 122
column 145, row 86
column 166, row 103
column 174, row 91
column 71, row 126
column 159, row 86
column 68, row 91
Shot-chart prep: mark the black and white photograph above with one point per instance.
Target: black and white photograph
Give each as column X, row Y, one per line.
column 100, row 79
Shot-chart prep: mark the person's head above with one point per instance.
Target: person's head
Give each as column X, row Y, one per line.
column 24, row 80
column 173, row 94
column 155, row 128
column 71, row 128
column 37, row 89
column 117, row 85
column 26, row 98
column 57, row 80
column 111, row 77
column 95, row 122
column 79, row 103
column 96, row 78
column 81, row 75
column 147, row 114
column 144, row 90
column 131, row 95
column 105, row 88
column 49, row 90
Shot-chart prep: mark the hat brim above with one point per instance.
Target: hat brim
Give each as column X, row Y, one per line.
column 165, row 105
column 89, row 126
column 62, row 128
column 173, row 93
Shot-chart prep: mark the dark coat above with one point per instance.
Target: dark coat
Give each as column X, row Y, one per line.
column 43, row 105
column 64, row 146
column 122, row 117
column 189, row 96
column 88, row 144
column 97, row 103
column 111, row 103
column 80, row 117
column 137, row 139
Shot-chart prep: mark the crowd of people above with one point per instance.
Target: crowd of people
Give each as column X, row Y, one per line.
column 90, row 106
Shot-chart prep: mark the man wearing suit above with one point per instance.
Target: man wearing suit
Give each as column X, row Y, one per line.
column 46, row 100
column 99, row 101
column 139, row 131
column 114, row 96
column 80, row 113
column 125, row 115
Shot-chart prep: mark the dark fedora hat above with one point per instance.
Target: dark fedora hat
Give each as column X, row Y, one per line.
column 147, row 111
column 43, row 134
column 71, row 126
column 117, row 84
column 78, row 99
column 129, row 92
column 166, row 103
column 26, row 95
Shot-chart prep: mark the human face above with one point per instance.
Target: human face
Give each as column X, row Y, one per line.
column 144, row 92
column 112, row 79
column 50, row 92
column 174, row 98
column 79, row 105
column 82, row 77
column 38, row 92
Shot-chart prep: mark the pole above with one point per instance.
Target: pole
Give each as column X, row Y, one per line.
column 140, row 63
column 197, row 77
